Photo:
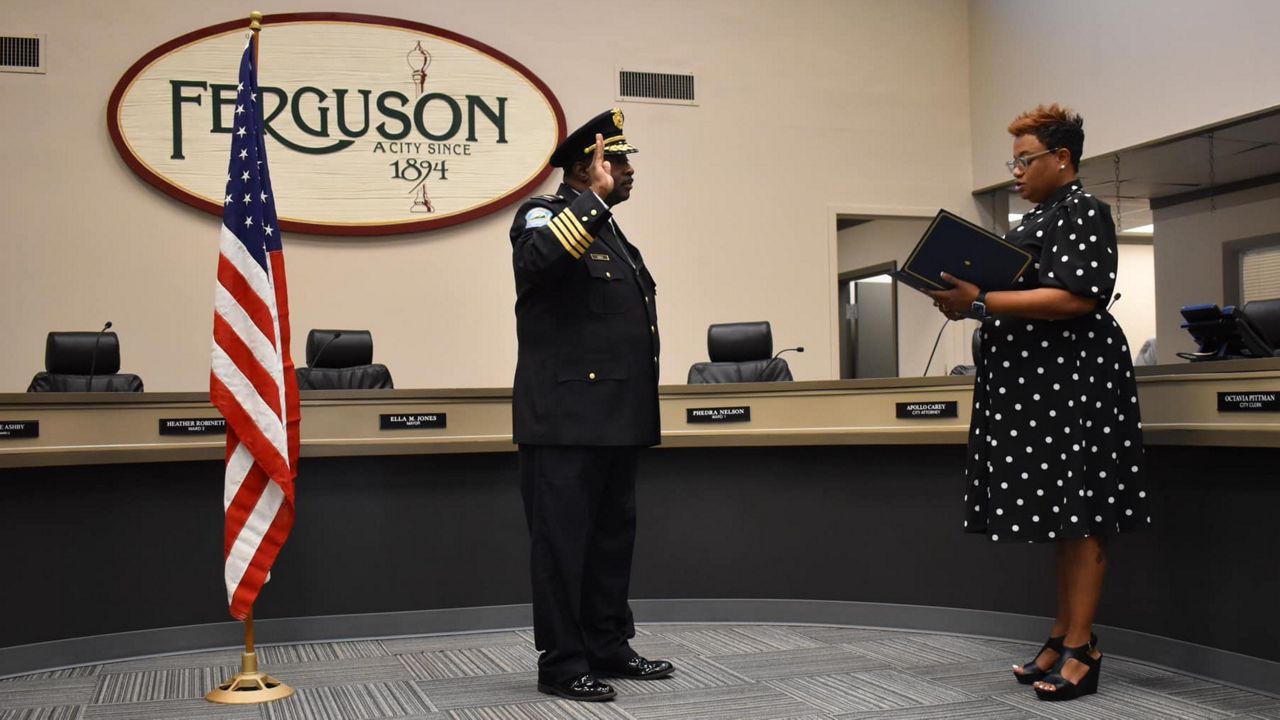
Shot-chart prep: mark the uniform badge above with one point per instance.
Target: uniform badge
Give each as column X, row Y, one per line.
column 600, row 256
column 536, row 218
column 617, row 117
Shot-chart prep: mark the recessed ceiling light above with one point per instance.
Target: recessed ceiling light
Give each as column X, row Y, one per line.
column 1141, row 230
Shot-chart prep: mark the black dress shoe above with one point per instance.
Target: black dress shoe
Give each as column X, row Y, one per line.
column 637, row 668
column 584, row 688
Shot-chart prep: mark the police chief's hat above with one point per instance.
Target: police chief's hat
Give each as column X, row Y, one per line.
column 581, row 142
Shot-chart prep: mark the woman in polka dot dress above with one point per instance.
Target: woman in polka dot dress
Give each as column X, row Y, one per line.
column 1055, row 450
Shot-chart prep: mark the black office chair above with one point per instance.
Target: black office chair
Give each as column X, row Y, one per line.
column 1263, row 317
column 342, row 360
column 1250, row 331
column 83, row 362
column 740, row 353
column 975, row 347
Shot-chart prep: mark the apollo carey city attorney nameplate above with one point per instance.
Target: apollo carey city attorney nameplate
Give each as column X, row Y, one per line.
column 374, row 125
column 412, row 421
column 944, row 409
column 1249, row 401
column 193, row 426
column 14, row 429
column 718, row 415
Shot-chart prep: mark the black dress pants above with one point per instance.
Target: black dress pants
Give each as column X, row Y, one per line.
column 580, row 504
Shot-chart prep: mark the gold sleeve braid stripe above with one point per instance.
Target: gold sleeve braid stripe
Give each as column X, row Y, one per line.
column 560, row 235
column 573, row 230
column 562, row 228
column 576, row 225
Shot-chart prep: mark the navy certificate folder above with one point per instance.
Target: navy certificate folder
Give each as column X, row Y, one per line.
column 957, row 246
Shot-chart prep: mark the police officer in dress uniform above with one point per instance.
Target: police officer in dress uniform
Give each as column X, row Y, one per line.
column 585, row 402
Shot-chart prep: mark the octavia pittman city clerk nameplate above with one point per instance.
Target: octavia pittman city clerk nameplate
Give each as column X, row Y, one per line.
column 374, row 125
column 1264, row 401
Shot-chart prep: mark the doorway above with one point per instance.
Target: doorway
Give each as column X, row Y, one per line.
column 868, row 322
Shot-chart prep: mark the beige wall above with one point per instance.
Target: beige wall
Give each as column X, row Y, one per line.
column 892, row 238
column 1136, row 70
column 1136, row 283
column 803, row 105
column 1188, row 255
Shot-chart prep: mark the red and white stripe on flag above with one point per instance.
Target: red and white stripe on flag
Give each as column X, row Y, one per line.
column 252, row 382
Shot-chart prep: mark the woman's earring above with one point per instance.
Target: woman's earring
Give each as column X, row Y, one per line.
column 1061, row 168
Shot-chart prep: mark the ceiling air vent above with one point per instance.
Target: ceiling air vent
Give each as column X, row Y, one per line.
column 22, row 53
column 667, row 88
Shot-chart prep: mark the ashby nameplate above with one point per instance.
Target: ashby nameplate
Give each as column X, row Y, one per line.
column 14, row 429
column 945, row 409
column 412, row 421
column 1248, row 402
column 719, row 415
column 192, row 426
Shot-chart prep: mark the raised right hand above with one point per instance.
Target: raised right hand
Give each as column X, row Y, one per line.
column 600, row 175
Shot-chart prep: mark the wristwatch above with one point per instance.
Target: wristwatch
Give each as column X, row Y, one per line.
column 979, row 307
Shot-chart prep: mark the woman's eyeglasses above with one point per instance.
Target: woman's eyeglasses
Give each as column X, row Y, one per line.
column 1024, row 161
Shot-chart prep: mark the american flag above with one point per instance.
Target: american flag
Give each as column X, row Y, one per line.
column 253, row 382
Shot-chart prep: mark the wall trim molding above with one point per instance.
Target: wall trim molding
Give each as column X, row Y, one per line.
column 1221, row 666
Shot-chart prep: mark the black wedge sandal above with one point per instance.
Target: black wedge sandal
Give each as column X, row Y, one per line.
column 1026, row 677
column 1064, row 689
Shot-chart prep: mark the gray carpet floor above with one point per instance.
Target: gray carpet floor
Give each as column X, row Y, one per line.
column 724, row 672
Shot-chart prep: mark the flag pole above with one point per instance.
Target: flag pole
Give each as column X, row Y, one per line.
column 255, row 27
column 250, row 686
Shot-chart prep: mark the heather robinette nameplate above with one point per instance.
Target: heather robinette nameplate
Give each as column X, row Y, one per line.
column 956, row 246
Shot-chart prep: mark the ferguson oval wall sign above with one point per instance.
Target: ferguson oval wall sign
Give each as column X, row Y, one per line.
column 374, row 125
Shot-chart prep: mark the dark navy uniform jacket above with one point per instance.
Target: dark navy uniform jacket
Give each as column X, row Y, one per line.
column 587, row 324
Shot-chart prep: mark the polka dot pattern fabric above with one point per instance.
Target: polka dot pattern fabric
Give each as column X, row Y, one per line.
column 1055, row 446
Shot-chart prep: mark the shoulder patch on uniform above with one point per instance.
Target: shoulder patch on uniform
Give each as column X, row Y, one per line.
column 537, row 217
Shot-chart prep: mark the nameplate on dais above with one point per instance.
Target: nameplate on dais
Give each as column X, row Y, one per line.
column 411, row 421
column 944, row 409
column 192, row 426
column 1266, row 401
column 15, row 429
column 719, row 414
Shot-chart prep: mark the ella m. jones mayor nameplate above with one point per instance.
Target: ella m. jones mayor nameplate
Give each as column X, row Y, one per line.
column 14, row 429
column 719, row 415
column 374, row 125
column 192, row 426
column 411, row 421
column 1249, row 402
column 945, row 409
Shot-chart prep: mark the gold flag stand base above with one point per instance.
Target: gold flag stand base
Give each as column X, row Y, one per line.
column 249, row 685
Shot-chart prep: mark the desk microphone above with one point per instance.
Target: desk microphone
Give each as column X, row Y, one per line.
column 316, row 360
column 93, row 362
column 936, row 340
column 1114, row 299
column 774, row 359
